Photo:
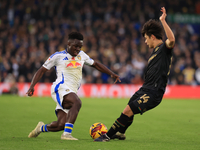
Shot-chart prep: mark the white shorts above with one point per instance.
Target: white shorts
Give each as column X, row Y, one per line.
column 57, row 93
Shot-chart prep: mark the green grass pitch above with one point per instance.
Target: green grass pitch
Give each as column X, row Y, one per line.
column 173, row 125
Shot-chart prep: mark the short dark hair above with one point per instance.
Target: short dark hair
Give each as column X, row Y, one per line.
column 153, row 27
column 75, row 35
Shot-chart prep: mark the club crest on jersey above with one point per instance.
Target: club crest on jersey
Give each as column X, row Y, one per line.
column 79, row 57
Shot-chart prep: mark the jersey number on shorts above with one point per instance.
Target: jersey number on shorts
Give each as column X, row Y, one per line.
column 143, row 99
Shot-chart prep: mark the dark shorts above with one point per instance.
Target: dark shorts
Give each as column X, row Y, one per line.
column 145, row 99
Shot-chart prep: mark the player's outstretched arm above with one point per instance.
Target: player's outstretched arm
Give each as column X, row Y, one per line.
column 38, row 75
column 170, row 35
column 104, row 69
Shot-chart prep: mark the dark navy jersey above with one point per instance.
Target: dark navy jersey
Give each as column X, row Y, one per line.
column 158, row 69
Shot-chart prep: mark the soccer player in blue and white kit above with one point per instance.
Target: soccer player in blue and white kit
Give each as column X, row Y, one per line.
column 68, row 65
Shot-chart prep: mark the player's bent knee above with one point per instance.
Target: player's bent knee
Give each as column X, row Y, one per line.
column 78, row 103
column 127, row 111
column 71, row 100
column 68, row 105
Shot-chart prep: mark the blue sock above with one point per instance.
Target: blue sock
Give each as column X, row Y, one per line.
column 44, row 128
column 68, row 128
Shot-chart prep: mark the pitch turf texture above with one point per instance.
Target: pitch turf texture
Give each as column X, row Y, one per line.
column 173, row 125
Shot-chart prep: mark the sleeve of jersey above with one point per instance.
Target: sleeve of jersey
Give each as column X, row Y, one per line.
column 168, row 46
column 168, row 50
column 50, row 62
column 88, row 61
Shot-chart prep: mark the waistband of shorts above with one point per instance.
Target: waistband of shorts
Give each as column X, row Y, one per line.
column 153, row 90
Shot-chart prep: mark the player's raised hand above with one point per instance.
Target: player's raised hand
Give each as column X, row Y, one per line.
column 30, row 91
column 163, row 16
column 116, row 77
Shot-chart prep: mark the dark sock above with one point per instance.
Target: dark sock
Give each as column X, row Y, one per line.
column 118, row 125
column 130, row 121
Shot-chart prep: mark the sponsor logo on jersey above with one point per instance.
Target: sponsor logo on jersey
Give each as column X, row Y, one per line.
column 73, row 64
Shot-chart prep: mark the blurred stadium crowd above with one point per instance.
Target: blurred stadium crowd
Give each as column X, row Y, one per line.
column 32, row 30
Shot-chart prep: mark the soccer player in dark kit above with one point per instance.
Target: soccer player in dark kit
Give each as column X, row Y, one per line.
column 155, row 81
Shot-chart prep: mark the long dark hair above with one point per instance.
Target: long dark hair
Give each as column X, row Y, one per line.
column 153, row 27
